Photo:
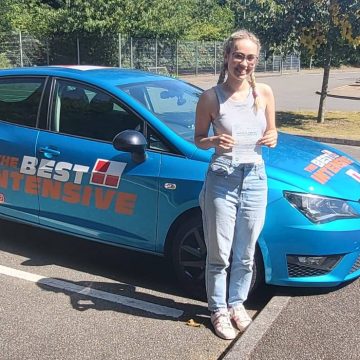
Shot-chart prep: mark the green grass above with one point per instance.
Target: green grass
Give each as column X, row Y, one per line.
column 339, row 124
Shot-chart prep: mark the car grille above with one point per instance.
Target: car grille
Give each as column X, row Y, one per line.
column 301, row 271
column 356, row 265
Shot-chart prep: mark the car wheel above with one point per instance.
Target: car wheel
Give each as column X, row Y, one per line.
column 189, row 258
column 258, row 278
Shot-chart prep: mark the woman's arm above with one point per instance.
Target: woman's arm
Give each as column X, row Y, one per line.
column 206, row 109
column 270, row 135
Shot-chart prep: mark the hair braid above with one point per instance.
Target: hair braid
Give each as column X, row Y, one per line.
column 255, row 94
column 222, row 74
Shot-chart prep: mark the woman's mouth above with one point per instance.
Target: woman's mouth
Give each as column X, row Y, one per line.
column 242, row 71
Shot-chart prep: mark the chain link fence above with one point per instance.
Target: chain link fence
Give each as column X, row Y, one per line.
column 175, row 57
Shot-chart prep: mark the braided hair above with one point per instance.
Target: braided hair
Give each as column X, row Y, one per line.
column 238, row 35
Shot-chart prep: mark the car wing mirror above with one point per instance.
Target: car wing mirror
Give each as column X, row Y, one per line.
column 131, row 141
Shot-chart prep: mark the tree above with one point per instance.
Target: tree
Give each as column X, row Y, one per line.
column 29, row 16
column 213, row 21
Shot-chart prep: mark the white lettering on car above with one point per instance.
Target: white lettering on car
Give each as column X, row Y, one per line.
column 28, row 165
column 49, row 169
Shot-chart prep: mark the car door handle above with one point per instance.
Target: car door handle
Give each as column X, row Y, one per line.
column 49, row 152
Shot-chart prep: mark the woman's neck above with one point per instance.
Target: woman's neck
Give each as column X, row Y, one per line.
column 236, row 86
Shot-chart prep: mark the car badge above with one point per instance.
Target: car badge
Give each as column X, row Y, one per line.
column 170, row 186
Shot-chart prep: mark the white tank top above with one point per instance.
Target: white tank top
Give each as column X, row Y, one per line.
column 238, row 117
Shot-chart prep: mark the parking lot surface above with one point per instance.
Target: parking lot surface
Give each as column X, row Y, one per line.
column 65, row 298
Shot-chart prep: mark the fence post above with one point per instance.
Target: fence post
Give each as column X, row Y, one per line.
column 21, row 50
column 119, row 41
column 299, row 62
column 47, row 52
column 196, row 57
column 156, row 54
column 78, row 50
column 215, row 55
column 265, row 61
column 177, row 57
column 131, row 53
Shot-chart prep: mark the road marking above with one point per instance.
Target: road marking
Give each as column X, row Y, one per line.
column 68, row 286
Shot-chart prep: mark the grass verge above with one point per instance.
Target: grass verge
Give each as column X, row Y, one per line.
column 338, row 124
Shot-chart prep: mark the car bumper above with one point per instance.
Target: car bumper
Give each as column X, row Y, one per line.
column 284, row 242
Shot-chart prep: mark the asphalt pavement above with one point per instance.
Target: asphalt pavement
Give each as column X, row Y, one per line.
column 305, row 324
column 297, row 91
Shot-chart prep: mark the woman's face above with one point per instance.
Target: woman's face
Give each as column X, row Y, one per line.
column 242, row 58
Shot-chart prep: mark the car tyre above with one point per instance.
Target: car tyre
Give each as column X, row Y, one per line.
column 189, row 256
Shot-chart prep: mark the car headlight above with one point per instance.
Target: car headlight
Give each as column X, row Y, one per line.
column 320, row 209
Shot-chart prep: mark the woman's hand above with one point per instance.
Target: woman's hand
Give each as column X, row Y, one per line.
column 223, row 141
column 269, row 139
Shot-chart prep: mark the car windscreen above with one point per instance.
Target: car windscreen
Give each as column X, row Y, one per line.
column 171, row 101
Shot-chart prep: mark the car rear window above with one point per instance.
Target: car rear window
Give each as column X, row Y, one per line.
column 20, row 100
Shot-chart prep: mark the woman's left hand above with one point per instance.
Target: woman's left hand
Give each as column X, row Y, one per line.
column 269, row 139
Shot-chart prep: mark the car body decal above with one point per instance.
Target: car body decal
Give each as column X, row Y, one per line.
column 326, row 165
column 354, row 174
column 64, row 181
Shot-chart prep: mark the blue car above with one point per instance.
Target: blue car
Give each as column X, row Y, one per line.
column 107, row 154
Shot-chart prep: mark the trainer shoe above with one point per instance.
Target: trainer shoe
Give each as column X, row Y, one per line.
column 240, row 317
column 222, row 324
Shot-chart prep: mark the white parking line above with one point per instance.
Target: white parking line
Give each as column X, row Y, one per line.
column 118, row 299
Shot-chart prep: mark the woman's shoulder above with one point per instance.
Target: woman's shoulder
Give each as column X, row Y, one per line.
column 209, row 98
column 209, row 94
column 264, row 89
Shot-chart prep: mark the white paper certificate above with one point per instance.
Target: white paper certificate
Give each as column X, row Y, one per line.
column 245, row 149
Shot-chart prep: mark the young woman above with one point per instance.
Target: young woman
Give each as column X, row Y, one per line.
column 234, row 196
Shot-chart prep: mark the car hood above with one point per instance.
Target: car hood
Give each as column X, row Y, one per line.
column 313, row 167
column 308, row 166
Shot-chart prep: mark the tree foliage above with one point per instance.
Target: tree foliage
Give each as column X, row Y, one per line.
column 28, row 16
column 213, row 21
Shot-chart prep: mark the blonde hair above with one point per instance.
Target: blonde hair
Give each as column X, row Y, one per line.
column 228, row 46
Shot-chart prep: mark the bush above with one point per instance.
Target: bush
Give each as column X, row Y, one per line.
column 4, row 62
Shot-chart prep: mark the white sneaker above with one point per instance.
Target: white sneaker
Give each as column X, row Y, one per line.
column 240, row 317
column 222, row 324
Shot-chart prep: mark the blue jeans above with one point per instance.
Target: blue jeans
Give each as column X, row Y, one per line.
column 233, row 202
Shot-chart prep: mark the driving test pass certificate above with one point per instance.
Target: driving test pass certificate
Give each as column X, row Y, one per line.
column 245, row 149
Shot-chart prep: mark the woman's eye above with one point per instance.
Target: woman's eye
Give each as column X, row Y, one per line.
column 239, row 56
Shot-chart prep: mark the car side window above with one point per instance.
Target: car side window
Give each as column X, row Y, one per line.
column 88, row 112
column 20, row 100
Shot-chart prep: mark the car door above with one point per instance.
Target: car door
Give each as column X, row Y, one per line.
column 20, row 99
column 85, row 185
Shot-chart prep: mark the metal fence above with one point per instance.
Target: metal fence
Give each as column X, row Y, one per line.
column 176, row 57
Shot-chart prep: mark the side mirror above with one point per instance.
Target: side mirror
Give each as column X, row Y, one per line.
column 133, row 142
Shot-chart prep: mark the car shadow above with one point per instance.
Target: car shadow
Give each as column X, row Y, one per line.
column 43, row 247
column 125, row 270
column 308, row 291
column 125, row 299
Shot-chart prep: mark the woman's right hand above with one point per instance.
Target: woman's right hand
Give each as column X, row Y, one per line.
column 223, row 141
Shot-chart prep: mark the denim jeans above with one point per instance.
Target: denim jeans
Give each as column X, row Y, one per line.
column 233, row 202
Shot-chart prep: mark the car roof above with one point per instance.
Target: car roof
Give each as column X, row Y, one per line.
column 110, row 75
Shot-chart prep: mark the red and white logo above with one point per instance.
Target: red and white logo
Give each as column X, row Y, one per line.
column 2, row 198
column 107, row 173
